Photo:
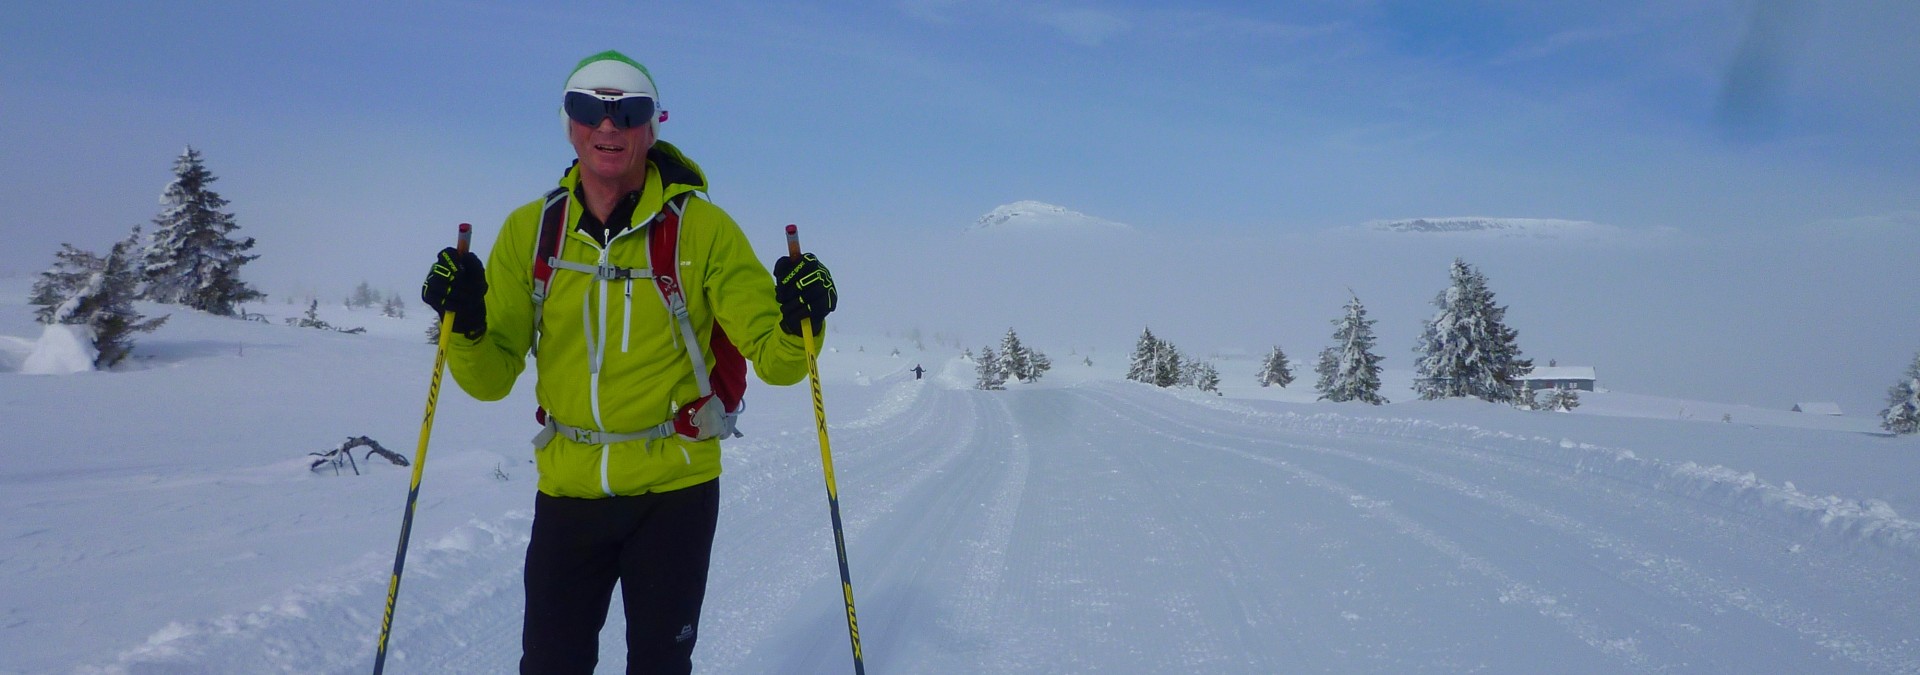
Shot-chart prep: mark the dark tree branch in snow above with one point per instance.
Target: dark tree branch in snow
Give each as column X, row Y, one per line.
column 344, row 455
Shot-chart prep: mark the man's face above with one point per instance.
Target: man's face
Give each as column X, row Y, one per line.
column 608, row 152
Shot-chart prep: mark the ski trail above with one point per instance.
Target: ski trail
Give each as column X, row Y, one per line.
column 794, row 599
column 1206, row 647
column 1511, row 589
column 1665, row 574
column 986, row 565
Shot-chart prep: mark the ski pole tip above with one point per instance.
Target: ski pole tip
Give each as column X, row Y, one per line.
column 466, row 228
column 792, row 229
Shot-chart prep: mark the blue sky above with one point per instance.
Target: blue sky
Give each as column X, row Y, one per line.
column 386, row 123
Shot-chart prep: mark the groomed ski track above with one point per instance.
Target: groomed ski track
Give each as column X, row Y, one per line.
column 1115, row 527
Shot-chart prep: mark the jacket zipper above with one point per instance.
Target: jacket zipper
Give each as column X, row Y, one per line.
column 596, row 353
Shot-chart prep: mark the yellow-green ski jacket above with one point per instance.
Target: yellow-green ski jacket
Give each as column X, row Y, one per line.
column 637, row 373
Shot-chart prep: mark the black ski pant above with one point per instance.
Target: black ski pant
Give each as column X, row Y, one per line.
column 656, row 546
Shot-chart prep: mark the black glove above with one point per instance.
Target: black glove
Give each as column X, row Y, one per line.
column 456, row 283
column 804, row 289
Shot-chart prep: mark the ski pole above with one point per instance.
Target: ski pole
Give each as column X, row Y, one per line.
column 419, row 464
column 826, row 466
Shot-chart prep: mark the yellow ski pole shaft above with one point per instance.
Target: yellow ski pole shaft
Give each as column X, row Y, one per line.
column 419, row 465
column 826, row 466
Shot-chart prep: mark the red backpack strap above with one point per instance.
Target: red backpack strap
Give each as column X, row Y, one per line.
column 726, row 377
column 548, row 247
column 729, row 370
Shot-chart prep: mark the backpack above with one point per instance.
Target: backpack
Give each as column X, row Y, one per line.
column 725, row 382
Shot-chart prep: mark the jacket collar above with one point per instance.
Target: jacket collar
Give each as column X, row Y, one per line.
column 669, row 173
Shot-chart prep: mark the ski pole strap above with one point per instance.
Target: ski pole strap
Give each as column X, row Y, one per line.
column 553, row 428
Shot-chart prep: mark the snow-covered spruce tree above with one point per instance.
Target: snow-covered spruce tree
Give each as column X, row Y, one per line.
column 1204, row 376
column 1038, row 364
column 1902, row 415
column 394, row 307
column 72, row 270
column 1562, row 399
column 311, row 319
column 363, row 296
column 1275, row 369
column 1525, row 398
column 1349, row 370
column 193, row 259
column 1014, row 357
column 1140, row 368
column 1466, row 348
column 1169, row 367
column 992, row 372
column 433, row 331
column 84, row 289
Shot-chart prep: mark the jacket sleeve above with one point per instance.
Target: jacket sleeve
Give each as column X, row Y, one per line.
column 486, row 368
column 740, row 290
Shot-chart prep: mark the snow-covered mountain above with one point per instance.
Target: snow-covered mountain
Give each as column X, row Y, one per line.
column 1032, row 216
column 1541, row 228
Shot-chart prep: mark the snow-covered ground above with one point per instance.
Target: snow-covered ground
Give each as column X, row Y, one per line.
column 162, row 519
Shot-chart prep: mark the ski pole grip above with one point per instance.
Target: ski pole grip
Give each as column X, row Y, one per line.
column 466, row 236
column 793, row 241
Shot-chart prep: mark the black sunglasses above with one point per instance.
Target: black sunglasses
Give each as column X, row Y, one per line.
column 588, row 107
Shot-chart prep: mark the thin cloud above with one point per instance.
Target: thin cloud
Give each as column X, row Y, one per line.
column 1560, row 42
column 1085, row 27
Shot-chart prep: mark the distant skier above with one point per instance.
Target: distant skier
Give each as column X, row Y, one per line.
column 629, row 486
column 917, row 371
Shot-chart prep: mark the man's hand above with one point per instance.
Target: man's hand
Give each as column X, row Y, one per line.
column 457, row 283
column 804, row 289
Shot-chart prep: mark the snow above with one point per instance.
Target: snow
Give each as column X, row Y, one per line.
column 1817, row 408
column 1534, row 228
column 161, row 518
column 1031, row 216
column 62, row 350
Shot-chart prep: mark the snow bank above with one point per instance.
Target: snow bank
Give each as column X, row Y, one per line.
column 13, row 351
column 62, row 350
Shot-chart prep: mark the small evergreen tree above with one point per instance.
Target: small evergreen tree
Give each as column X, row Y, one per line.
column 193, row 259
column 394, row 307
column 73, row 269
column 1014, row 357
column 1902, row 415
column 1169, row 367
column 1466, row 349
column 363, row 296
column 1275, row 369
column 1562, row 399
column 1526, row 398
column 433, row 330
column 85, row 289
column 1349, row 370
column 992, row 372
column 1038, row 364
column 1204, row 376
column 311, row 319
column 1145, row 350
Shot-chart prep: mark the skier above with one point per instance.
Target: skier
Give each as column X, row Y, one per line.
column 629, row 454
column 917, row 371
